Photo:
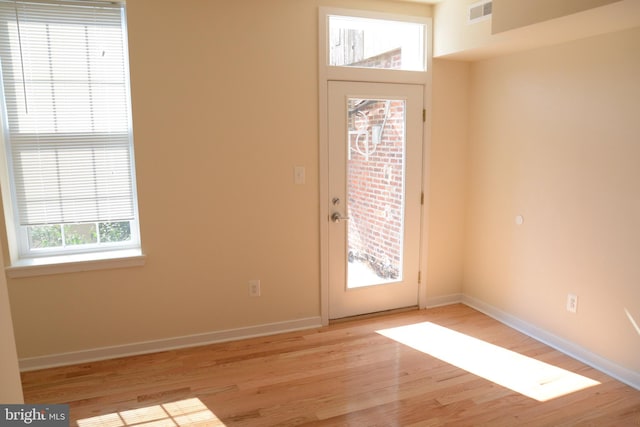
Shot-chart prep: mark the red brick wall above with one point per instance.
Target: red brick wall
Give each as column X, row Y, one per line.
column 376, row 185
column 391, row 60
column 376, row 179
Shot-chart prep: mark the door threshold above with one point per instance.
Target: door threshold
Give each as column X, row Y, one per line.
column 375, row 314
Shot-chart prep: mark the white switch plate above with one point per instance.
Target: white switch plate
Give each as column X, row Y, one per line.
column 572, row 303
column 299, row 174
column 254, row 288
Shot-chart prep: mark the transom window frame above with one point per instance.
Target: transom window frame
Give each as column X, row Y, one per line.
column 26, row 262
column 349, row 73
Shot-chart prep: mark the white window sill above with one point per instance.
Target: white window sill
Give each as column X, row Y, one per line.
column 74, row 263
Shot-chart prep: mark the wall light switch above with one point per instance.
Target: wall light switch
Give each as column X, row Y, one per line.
column 299, row 174
column 254, row 288
column 572, row 303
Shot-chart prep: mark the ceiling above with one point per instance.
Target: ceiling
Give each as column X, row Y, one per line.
column 424, row 1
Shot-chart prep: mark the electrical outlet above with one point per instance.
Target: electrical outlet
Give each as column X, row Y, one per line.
column 254, row 288
column 572, row 303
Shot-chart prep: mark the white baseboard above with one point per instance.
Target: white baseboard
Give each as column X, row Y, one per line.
column 444, row 300
column 569, row 348
column 610, row 368
column 102, row 353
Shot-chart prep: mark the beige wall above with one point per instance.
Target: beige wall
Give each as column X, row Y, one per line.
column 554, row 137
column 508, row 14
column 452, row 32
column 510, row 28
column 225, row 104
column 10, row 386
column 447, row 173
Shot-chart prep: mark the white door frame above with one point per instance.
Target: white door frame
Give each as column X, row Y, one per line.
column 379, row 294
column 326, row 74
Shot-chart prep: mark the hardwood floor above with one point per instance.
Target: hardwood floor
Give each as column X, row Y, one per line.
column 347, row 374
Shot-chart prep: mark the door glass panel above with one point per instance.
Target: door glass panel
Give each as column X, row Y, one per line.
column 375, row 191
column 376, row 43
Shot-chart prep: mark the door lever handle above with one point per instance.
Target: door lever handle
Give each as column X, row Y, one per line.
column 336, row 217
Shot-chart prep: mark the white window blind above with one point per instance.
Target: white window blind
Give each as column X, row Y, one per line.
column 65, row 82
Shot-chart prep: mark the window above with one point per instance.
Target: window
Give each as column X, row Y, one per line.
column 356, row 41
column 67, row 128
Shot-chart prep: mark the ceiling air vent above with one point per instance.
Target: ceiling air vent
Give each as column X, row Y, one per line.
column 479, row 11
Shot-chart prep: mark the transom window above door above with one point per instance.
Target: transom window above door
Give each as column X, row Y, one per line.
column 355, row 41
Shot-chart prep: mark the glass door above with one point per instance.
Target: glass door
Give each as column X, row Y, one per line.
column 375, row 164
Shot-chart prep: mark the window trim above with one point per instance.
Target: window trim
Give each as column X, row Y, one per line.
column 335, row 72
column 30, row 267
column 26, row 263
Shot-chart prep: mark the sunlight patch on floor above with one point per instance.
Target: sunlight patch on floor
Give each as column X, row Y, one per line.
column 522, row 374
column 188, row 412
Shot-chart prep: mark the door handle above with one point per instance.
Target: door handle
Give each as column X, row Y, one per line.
column 336, row 217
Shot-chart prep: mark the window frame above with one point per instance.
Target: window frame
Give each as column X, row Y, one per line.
column 350, row 73
column 26, row 261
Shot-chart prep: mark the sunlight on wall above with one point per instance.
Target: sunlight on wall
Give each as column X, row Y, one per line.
column 175, row 414
column 522, row 374
column 633, row 321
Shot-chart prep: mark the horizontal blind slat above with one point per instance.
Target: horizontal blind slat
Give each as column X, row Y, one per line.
column 65, row 86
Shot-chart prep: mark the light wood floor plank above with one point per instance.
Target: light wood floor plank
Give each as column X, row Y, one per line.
column 346, row 374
